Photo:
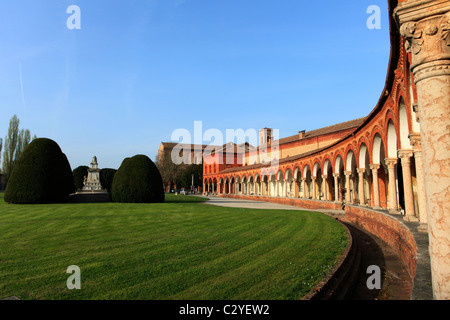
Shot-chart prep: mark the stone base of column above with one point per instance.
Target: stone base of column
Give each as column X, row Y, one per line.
column 377, row 208
column 423, row 228
column 411, row 218
column 393, row 211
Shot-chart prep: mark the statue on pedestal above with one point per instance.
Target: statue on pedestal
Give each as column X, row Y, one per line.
column 92, row 181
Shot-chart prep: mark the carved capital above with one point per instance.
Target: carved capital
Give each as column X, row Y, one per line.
column 405, row 155
column 374, row 167
column 390, row 163
column 415, row 142
column 425, row 27
column 361, row 170
column 413, row 37
column 445, row 28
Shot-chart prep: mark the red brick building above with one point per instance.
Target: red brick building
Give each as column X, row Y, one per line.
column 395, row 160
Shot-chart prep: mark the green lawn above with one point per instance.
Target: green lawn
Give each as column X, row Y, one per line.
column 181, row 249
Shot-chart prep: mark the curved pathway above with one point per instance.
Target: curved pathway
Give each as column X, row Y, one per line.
column 396, row 282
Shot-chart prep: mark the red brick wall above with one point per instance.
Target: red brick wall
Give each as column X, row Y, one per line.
column 389, row 229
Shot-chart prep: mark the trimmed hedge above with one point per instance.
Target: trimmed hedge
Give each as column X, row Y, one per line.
column 79, row 174
column 107, row 178
column 42, row 174
column 137, row 181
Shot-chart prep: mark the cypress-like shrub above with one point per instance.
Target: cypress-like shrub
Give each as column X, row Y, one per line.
column 106, row 178
column 79, row 174
column 42, row 174
column 137, row 181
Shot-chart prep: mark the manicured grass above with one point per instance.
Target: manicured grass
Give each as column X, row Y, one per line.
column 181, row 249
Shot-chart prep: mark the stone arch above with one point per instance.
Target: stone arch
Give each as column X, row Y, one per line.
column 317, row 191
column 339, row 178
column 391, row 140
column 272, row 183
column 257, row 184
column 251, row 184
column 307, row 181
column 232, row 185
column 289, row 183
column 380, row 179
column 364, row 175
column 351, row 183
column 328, row 182
column 244, row 184
column 280, row 183
column 238, row 185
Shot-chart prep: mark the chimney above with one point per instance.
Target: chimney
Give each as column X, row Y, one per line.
column 301, row 134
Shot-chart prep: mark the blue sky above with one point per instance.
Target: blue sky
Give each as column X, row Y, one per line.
column 138, row 70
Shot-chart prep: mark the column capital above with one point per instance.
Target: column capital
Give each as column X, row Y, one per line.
column 374, row 166
column 324, row 176
column 425, row 27
column 391, row 162
column 336, row 175
column 405, row 154
column 348, row 173
column 416, row 143
column 361, row 170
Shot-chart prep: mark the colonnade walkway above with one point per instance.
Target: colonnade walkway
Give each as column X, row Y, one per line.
column 397, row 283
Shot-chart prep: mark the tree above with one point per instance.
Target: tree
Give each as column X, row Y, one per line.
column 137, row 181
column 1, row 146
column 22, row 142
column 107, row 178
column 79, row 174
column 192, row 172
column 42, row 174
column 11, row 142
column 170, row 172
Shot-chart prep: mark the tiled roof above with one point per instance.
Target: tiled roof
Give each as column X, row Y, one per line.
column 326, row 130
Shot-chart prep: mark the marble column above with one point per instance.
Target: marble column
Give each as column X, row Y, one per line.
column 421, row 199
column 392, row 186
column 296, row 188
column 325, row 187
column 376, row 189
column 425, row 26
column 362, row 199
column 405, row 156
column 336, row 187
column 314, row 187
column 305, row 195
column 347, row 187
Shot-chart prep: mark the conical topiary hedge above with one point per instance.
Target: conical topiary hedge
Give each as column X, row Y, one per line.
column 137, row 181
column 42, row 174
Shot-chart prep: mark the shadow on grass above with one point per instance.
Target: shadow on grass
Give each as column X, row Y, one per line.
column 171, row 198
